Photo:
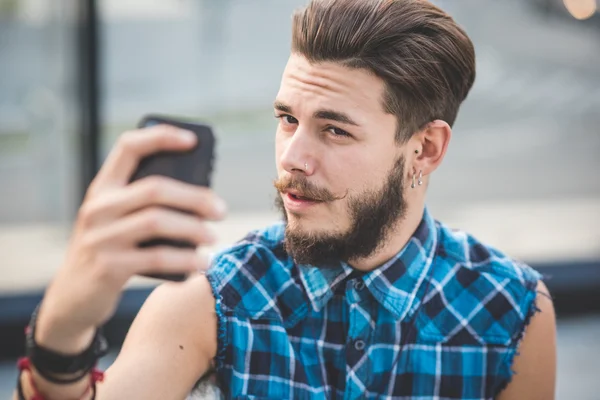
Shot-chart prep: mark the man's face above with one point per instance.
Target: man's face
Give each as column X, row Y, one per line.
column 340, row 170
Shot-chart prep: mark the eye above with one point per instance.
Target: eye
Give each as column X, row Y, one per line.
column 337, row 132
column 287, row 119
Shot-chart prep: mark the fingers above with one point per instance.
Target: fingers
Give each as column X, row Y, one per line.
column 151, row 223
column 154, row 191
column 165, row 260
column 133, row 146
column 120, row 265
column 117, row 216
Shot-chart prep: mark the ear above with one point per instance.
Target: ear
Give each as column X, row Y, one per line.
column 427, row 148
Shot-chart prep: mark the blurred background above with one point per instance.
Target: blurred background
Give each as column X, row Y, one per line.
column 521, row 172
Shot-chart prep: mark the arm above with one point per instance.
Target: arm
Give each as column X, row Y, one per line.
column 170, row 345
column 535, row 366
column 104, row 254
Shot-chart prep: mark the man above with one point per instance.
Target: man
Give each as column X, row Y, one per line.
column 359, row 292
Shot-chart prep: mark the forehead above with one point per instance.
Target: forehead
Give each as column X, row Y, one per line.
column 305, row 84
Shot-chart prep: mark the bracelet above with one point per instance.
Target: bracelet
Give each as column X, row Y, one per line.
column 24, row 364
column 49, row 363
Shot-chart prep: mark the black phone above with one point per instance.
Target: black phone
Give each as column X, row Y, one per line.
column 194, row 166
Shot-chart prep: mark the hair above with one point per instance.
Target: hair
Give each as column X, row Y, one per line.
column 424, row 57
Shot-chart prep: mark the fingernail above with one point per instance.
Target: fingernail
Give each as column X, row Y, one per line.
column 203, row 258
column 220, row 207
column 186, row 135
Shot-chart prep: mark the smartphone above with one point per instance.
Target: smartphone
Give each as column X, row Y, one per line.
column 194, row 166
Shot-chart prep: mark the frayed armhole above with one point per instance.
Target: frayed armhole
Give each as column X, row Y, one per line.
column 222, row 341
column 530, row 304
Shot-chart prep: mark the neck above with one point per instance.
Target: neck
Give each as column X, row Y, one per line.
column 396, row 239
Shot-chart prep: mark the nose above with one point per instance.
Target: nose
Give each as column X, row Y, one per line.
column 298, row 153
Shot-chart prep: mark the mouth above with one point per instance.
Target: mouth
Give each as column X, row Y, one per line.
column 297, row 203
column 297, row 196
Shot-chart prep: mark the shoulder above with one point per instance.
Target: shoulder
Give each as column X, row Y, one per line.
column 478, row 258
column 479, row 294
column 163, row 354
column 256, row 277
column 533, row 372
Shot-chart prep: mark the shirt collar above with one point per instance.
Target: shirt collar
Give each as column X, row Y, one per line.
column 394, row 284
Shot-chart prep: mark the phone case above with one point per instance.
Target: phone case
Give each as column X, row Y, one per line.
column 194, row 167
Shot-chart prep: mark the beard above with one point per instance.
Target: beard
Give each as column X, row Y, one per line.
column 373, row 214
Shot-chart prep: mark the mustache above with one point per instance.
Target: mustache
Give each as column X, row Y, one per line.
column 305, row 188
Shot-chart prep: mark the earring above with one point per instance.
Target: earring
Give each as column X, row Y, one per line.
column 420, row 182
column 413, row 181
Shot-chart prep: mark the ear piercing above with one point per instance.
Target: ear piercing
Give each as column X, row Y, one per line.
column 420, row 180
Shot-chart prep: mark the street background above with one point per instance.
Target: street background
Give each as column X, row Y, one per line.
column 521, row 172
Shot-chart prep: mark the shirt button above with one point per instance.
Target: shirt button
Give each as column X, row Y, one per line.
column 359, row 285
column 359, row 345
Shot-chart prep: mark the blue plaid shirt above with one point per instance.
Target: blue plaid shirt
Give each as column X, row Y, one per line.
column 442, row 320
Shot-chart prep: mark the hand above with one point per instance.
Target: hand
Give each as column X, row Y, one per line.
column 114, row 218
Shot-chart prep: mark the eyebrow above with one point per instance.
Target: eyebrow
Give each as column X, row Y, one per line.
column 331, row 115
column 282, row 107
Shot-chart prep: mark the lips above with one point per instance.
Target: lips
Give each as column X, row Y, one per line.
column 296, row 195
column 297, row 204
column 300, row 197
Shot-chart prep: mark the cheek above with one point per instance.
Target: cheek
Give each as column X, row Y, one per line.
column 365, row 176
column 353, row 172
column 279, row 149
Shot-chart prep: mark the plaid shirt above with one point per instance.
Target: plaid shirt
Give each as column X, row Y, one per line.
column 442, row 320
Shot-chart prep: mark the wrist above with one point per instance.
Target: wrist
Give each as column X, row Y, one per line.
column 33, row 386
column 58, row 357
column 61, row 336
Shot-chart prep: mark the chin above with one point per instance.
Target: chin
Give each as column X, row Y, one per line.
column 310, row 226
column 300, row 223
